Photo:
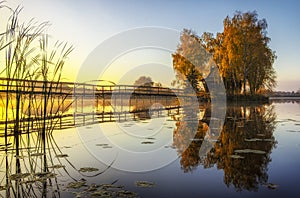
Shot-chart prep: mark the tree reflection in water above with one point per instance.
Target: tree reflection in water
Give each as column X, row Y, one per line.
column 246, row 127
column 188, row 137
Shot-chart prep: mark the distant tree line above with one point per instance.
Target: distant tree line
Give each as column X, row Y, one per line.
column 146, row 81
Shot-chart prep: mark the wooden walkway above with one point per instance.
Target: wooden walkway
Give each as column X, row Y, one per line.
column 78, row 89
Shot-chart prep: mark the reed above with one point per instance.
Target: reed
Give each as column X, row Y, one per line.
column 29, row 56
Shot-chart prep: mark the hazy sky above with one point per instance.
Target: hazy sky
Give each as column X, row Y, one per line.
column 86, row 24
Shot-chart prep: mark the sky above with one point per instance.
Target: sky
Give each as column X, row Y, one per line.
column 86, row 24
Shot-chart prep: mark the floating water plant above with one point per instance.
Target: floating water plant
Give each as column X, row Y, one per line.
column 88, row 169
column 102, row 144
column 57, row 166
column 62, row 155
column 150, row 138
column 257, row 140
column 237, row 157
column 76, row 184
column 147, row 142
column 126, row 193
column 250, row 151
column 37, row 154
column 271, row 186
column 106, row 147
column 107, row 186
column 18, row 176
column 102, row 193
column 144, row 184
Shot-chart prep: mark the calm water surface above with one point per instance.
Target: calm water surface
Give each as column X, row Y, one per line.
column 256, row 154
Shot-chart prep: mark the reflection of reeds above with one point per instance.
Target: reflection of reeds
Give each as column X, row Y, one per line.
column 33, row 171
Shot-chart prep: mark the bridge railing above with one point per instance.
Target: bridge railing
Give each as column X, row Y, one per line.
column 76, row 89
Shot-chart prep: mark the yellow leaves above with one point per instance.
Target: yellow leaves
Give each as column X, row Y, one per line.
column 242, row 53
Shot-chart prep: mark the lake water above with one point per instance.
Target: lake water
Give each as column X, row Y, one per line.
column 256, row 154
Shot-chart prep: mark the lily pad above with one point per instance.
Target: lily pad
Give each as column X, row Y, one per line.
column 31, row 181
column 128, row 125
column 102, row 193
column 18, row 176
column 106, row 186
column 237, row 157
column 170, row 146
column 92, row 188
column 88, row 169
column 144, row 184
column 292, row 120
column 45, row 175
column 103, row 144
column 62, row 155
column 147, row 142
column 268, row 140
column 150, row 138
column 252, row 139
column 126, row 193
column 196, row 139
column 257, row 140
column 271, row 186
column 20, row 156
column 37, row 154
column 250, row 151
column 56, row 166
column 106, row 147
column 76, row 185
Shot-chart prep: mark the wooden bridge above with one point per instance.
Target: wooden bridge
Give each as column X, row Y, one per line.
column 75, row 104
column 79, row 89
column 84, row 91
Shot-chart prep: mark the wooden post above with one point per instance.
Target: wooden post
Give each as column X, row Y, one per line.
column 74, row 95
column 114, row 102
column 103, row 100
column 83, row 117
column 121, row 97
column 63, row 99
column 82, row 97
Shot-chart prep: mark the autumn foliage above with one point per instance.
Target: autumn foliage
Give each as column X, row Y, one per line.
column 241, row 52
